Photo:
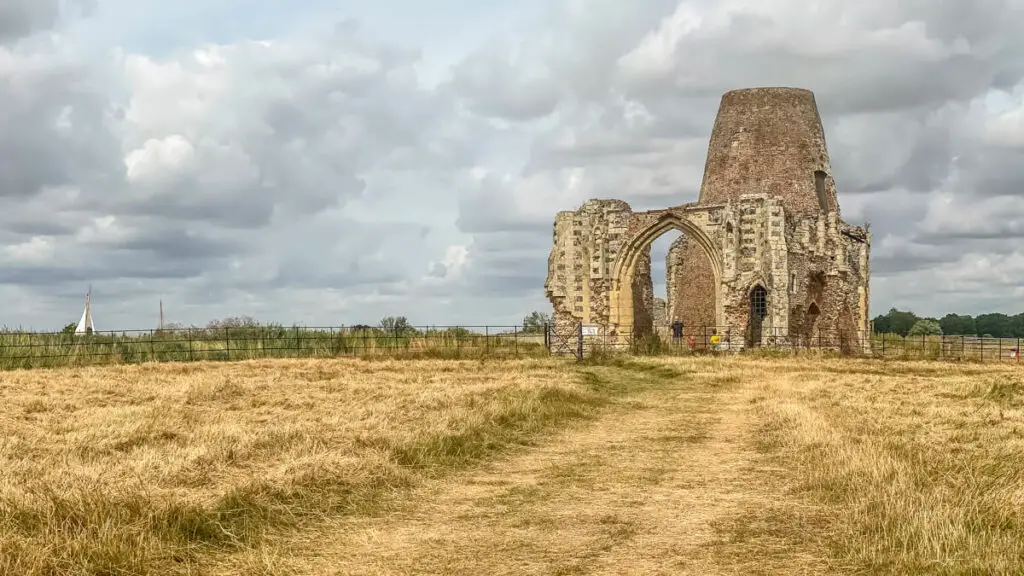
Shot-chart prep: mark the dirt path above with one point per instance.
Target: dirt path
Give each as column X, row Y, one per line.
column 661, row 484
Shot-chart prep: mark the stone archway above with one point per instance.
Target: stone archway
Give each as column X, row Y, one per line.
column 621, row 298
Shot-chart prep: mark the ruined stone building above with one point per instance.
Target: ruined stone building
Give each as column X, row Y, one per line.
column 764, row 253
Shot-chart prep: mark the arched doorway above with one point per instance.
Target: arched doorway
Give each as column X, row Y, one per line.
column 622, row 300
column 758, row 311
column 813, row 313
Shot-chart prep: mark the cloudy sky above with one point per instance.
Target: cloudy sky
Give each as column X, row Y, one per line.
column 327, row 162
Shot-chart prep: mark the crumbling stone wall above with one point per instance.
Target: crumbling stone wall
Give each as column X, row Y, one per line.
column 586, row 243
column 768, row 217
column 643, row 295
column 661, row 312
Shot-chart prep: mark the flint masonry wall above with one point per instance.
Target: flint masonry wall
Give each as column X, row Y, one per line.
column 586, row 243
column 768, row 216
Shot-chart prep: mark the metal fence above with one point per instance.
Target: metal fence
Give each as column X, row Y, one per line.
column 28, row 350
column 581, row 341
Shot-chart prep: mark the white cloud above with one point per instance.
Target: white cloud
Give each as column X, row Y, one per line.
column 302, row 168
column 37, row 250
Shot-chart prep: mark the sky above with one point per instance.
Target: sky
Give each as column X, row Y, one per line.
column 330, row 163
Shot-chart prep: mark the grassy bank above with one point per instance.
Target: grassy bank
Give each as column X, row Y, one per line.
column 150, row 469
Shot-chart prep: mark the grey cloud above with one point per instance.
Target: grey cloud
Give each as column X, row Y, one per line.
column 292, row 274
column 912, row 150
column 494, row 90
column 906, row 261
column 113, row 268
column 19, row 18
column 303, row 152
column 571, row 55
column 287, row 133
column 991, row 171
column 240, row 157
column 176, row 244
column 22, row 18
column 55, row 132
column 39, row 227
column 967, row 55
column 509, row 275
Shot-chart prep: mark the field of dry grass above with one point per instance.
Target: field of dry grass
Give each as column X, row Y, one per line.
column 696, row 465
column 913, row 468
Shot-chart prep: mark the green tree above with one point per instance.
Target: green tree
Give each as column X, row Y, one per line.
column 881, row 324
column 998, row 325
column 534, row 322
column 895, row 322
column 1017, row 323
column 232, row 322
column 69, row 329
column 397, row 325
column 925, row 327
column 957, row 325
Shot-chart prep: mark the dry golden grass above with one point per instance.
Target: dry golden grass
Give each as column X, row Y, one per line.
column 918, row 468
column 634, row 491
column 655, row 466
column 146, row 469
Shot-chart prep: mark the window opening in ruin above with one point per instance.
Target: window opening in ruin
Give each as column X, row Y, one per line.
column 661, row 283
column 813, row 309
column 758, row 311
column 819, row 187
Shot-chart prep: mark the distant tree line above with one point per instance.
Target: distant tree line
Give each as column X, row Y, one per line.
column 994, row 325
column 533, row 323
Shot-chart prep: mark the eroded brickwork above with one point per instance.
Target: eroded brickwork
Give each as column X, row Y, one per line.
column 768, row 218
column 690, row 284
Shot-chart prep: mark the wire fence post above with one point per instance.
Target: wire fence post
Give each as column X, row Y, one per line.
column 579, row 340
column 227, row 341
column 515, row 338
column 487, row 340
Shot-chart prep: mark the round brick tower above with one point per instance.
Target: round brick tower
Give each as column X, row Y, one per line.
column 770, row 140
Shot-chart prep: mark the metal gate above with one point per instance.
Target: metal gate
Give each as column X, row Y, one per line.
column 568, row 341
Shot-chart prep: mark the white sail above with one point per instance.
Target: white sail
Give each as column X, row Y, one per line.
column 85, row 324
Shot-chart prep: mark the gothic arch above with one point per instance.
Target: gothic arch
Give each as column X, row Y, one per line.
column 621, row 297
